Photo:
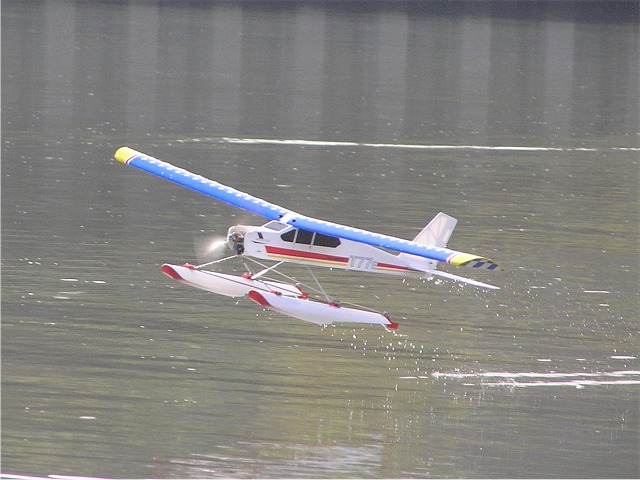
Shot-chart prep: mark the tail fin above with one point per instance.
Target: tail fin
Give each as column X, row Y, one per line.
column 435, row 234
column 438, row 231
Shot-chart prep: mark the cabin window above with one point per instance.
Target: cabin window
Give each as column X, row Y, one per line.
column 304, row 237
column 323, row 240
column 289, row 236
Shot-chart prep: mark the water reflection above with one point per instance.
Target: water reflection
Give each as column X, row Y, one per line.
column 272, row 460
column 484, row 76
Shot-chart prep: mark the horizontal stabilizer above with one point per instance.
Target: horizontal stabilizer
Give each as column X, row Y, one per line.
column 457, row 278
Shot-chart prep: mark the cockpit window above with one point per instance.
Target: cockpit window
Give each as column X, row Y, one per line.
column 323, row 240
column 289, row 236
column 277, row 226
column 304, row 237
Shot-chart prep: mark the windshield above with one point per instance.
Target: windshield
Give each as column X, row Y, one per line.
column 274, row 225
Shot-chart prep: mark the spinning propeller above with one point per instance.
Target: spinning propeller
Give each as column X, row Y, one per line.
column 208, row 247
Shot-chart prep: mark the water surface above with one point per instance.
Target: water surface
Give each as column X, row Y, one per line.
column 523, row 125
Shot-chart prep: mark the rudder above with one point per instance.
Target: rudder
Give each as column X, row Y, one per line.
column 435, row 234
column 438, row 231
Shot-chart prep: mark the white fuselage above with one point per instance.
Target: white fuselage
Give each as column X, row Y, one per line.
column 280, row 242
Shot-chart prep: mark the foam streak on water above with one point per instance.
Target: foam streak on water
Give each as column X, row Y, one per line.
column 324, row 143
column 547, row 379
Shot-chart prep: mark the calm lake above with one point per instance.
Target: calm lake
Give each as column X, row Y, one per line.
column 519, row 119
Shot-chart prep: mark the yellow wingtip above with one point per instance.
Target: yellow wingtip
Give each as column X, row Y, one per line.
column 461, row 258
column 125, row 153
column 466, row 259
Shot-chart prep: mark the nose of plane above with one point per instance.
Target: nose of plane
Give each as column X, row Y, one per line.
column 235, row 239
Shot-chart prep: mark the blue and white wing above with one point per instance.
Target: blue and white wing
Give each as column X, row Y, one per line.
column 271, row 211
column 213, row 189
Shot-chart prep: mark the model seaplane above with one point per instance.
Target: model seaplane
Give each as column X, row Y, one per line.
column 291, row 237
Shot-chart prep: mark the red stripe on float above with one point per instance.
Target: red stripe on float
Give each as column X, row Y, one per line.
column 168, row 270
column 258, row 298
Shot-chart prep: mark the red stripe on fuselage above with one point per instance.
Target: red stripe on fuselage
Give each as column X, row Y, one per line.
column 321, row 257
column 305, row 255
column 396, row 267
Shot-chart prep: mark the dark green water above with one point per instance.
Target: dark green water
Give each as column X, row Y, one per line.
column 388, row 116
